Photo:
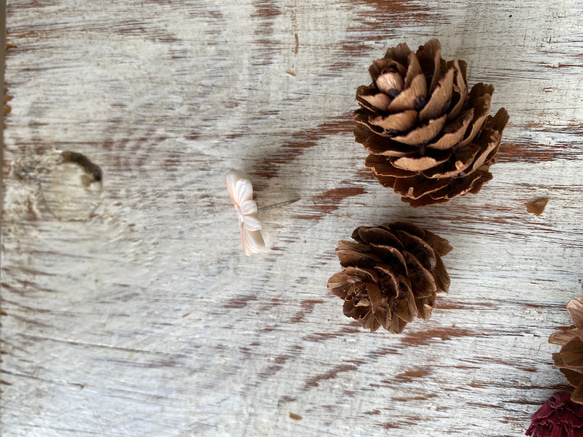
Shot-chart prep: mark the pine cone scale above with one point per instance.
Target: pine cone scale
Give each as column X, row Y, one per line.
column 354, row 311
column 424, row 133
column 454, row 131
column 577, row 395
column 379, row 235
column 415, row 245
column 460, row 186
column 399, row 122
column 349, row 257
column 421, row 279
column 418, row 187
column 572, row 354
column 464, row 158
column 368, row 98
column 570, row 358
column 421, row 164
column 390, row 83
column 414, row 71
column 575, row 309
column 562, row 338
column 376, row 144
column 488, row 144
column 381, row 166
column 440, row 98
column 367, row 274
column 379, row 306
column 390, row 282
column 442, row 279
column 404, row 305
column 392, row 257
column 481, row 110
column 574, row 378
column 412, row 98
column 459, row 87
column 429, row 56
column 397, row 325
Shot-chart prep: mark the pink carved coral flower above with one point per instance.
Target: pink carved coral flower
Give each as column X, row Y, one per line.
column 241, row 193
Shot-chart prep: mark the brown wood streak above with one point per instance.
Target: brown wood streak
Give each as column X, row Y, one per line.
column 266, row 12
column 399, row 10
column 428, row 336
column 329, row 201
column 280, row 360
column 410, row 375
column 307, row 306
column 563, row 65
column 273, row 369
column 6, row 111
column 534, row 153
column 414, row 398
column 522, row 367
column 444, row 304
column 270, row 165
column 526, row 151
column 240, row 301
column 389, row 16
column 411, row 420
column 323, row 336
column 331, row 374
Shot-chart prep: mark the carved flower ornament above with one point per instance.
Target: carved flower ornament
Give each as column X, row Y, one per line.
column 241, row 193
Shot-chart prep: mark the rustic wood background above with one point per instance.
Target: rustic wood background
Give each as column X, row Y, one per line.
column 142, row 317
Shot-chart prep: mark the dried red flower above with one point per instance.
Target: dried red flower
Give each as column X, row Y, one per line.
column 558, row 417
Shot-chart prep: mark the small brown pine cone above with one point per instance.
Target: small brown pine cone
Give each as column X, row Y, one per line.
column 390, row 275
column 429, row 139
column 570, row 357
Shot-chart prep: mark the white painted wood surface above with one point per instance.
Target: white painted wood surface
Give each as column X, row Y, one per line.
column 143, row 317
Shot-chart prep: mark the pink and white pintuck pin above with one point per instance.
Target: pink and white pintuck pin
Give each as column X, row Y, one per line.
column 241, row 193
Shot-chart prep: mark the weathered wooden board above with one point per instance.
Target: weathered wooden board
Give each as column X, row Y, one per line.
column 143, row 317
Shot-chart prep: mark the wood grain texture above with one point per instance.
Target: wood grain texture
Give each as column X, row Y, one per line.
column 145, row 318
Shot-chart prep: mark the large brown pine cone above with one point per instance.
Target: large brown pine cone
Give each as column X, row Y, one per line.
column 390, row 275
column 570, row 357
column 429, row 139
